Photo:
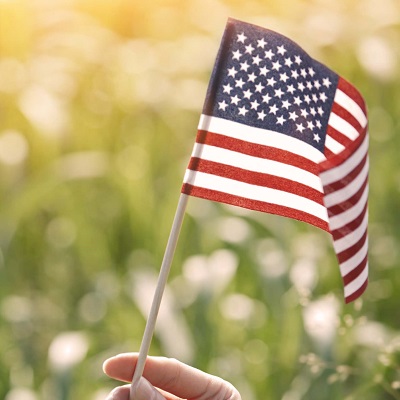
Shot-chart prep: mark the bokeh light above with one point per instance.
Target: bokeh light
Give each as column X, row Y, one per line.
column 99, row 105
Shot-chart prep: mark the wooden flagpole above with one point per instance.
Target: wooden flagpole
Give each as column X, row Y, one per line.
column 162, row 281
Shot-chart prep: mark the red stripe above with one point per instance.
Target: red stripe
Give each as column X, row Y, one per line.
column 351, row 226
column 338, row 136
column 351, row 251
column 357, row 293
column 345, row 114
column 352, row 92
column 328, row 154
column 255, row 178
column 348, row 203
column 256, row 150
column 253, row 205
column 337, row 159
column 354, row 274
column 334, row 186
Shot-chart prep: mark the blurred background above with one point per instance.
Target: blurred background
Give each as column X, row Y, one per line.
column 99, row 105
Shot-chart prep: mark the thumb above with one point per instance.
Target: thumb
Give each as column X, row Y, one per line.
column 144, row 390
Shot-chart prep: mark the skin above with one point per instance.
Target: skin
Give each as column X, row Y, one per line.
column 166, row 379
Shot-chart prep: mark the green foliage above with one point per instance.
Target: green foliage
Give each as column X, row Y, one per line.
column 99, row 103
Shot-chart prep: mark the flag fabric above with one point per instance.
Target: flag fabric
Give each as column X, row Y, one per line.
column 281, row 133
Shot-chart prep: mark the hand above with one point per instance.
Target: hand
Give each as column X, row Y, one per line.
column 166, row 379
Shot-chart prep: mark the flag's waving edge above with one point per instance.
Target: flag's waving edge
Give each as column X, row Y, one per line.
column 281, row 133
column 344, row 176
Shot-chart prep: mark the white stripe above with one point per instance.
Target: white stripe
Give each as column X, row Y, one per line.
column 349, row 190
column 351, row 106
column 257, row 164
column 332, row 145
column 339, row 172
column 349, row 215
column 254, row 192
column 343, row 126
column 354, row 285
column 352, row 238
column 354, row 261
column 260, row 136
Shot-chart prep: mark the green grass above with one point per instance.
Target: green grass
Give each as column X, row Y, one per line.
column 99, row 104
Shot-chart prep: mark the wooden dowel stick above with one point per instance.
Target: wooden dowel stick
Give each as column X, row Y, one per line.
column 162, row 281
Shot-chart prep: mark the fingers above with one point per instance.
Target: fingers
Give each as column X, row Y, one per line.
column 172, row 376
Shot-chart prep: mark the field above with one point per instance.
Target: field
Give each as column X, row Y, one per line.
column 99, row 105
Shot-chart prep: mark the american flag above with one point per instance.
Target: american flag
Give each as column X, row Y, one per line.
column 281, row 133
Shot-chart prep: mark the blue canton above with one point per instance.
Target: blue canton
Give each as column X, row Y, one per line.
column 265, row 80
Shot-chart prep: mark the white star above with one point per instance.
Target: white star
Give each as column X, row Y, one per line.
column 283, row 77
column 243, row 111
column 222, row 105
column 236, row 55
column 241, row 37
column 320, row 111
column 311, row 71
column 317, row 85
column 297, row 60
column 316, row 137
column 281, row 50
column 293, row 116
column 303, row 73
column 326, row 82
column 313, row 112
column 235, row 99
column 310, row 125
column 264, row 71
column 300, row 128
column 291, row 89
column 269, row 54
column 266, row 98
column 309, row 85
column 301, row 86
column 273, row 109
column 252, row 77
column 257, row 60
column 315, row 98
column 297, row 100
column 318, row 123
column 286, row 104
column 276, row 65
column 244, row 66
column 280, row 120
column 249, row 48
column 247, row 94
column 261, row 43
column 259, row 87
column 261, row 115
column 307, row 99
column 254, row 105
column 303, row 112
column 271, row 81
column 288, row 62
column 232, row 72
column 323, row 97
column 295, row 74
column 239, row 83
column 228, row 88
column 278, row 92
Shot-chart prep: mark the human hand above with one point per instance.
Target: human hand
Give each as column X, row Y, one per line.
column 166, row 379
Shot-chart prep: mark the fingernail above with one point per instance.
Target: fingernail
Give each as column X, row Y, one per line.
column 145, row 391
column 118, row 394
column 110, row 396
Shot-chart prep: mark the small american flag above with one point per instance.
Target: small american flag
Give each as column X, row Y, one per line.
column 281, row 133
